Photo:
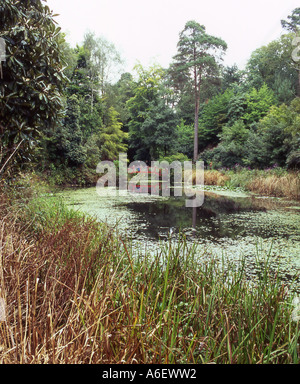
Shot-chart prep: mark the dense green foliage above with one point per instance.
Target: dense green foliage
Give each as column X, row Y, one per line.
column 90, row 130
column 273, row 141
column 31, row 77
column 112, row 137
column 153, row 124
column 272, row 65
column 78, row 107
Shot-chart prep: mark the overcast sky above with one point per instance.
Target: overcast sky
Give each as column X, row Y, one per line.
column 147, row 30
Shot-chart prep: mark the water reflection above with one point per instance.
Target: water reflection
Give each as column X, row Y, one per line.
column 215, row 219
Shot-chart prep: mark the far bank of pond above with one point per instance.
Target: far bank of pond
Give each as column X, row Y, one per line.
column 228, row 225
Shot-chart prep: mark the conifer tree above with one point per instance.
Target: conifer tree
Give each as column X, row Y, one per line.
column 112, row 137
column 197, row 59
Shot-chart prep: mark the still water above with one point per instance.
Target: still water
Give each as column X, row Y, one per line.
column 229, row 224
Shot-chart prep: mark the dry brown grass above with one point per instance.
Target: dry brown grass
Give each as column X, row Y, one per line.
column 261, row 182
column 212, row 177
column 43, row 285
column 215, row 178
column 279, row 186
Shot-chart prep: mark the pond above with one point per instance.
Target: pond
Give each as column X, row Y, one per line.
column 228, row 224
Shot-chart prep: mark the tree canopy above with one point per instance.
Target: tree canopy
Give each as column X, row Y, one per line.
column 292, row 24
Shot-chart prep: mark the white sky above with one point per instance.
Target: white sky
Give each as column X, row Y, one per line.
column 148, row 30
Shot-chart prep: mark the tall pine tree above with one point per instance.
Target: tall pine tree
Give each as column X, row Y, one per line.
column 197, row 60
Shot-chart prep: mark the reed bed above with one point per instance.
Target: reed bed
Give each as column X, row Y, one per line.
column 212, row 177
column 74, row 294
column 215, row 178
column 274, row 182
column 279, row 186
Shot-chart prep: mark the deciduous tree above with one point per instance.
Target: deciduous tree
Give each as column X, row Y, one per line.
column 273, row 64
column 153, row 123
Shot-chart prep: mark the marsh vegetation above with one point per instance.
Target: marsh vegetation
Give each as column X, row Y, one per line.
column 76, row 293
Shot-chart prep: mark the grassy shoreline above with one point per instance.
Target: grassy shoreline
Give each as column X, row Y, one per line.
column 74, row 294
column 276, row 182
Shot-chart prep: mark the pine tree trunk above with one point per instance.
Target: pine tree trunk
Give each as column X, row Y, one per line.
column 197, row 107
column 196, row 135
column 196, row 127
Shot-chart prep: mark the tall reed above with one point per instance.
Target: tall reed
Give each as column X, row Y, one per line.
column 274, row 182
column 279, row 186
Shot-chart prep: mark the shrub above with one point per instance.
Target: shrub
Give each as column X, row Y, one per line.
column 176, row 157
column 293, row 160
